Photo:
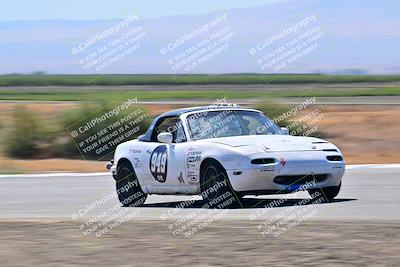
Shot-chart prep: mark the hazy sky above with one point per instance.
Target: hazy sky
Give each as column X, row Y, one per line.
column 360, row 35
column 106, row 9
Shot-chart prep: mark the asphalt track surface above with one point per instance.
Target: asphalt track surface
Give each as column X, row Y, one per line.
column 368, row 193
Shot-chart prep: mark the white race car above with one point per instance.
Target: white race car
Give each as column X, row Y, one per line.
column 220, row 151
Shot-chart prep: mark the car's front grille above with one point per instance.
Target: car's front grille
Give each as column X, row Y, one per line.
column 299, row 179
column 334, row 158
column 263, row 161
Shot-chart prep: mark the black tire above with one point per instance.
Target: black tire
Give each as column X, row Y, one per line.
column 213, row 176
column 129, row 192
column 327, row 193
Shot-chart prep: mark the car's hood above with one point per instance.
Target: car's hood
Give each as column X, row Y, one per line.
column 274, row 142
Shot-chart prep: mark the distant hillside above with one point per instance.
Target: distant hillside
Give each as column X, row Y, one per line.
column 361, row 35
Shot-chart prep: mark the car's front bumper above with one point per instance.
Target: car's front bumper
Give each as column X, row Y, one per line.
column 261, row 177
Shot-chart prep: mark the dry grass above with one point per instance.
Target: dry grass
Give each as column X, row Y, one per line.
column 365, row 134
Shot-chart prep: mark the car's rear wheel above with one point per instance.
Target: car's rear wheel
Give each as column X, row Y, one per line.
column 129, row 192
column 326, row 193
column 216, row 189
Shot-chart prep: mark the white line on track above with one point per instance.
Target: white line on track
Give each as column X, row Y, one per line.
column 55, row 174
column 372, row 166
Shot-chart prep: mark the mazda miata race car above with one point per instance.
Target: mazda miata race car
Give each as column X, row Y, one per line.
column 222, row 151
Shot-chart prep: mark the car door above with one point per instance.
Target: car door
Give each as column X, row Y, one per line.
column 177, row 175
column 165, row 162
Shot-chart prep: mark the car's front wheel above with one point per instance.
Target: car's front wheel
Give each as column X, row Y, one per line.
column 129, row 192
column 216, row 189
column 326, row 193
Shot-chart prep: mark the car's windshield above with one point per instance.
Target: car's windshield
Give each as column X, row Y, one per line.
column 224, row 123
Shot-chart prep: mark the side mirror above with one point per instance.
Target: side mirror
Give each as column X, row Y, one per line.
column 165, row 138
column 284, row 131
column 140, row 137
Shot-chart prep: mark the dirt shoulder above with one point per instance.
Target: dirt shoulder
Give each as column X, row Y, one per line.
column 365, row 134
column 220, row 244
column 15, row 166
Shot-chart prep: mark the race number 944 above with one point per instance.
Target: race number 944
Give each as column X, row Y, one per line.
column 158, row 163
